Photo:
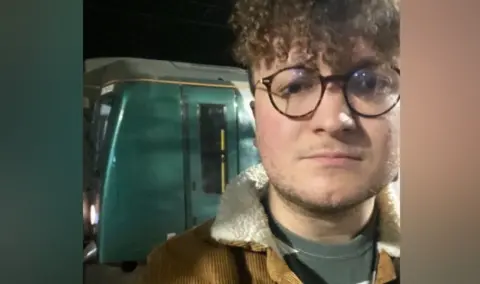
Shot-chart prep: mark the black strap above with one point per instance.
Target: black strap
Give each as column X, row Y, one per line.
column 241, row 264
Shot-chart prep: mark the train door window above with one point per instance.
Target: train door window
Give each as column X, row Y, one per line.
column 213, row 148
column 100, row 123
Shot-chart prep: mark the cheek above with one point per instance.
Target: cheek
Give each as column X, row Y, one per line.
column 384, row 137
column 392, row 123
column 276, row 134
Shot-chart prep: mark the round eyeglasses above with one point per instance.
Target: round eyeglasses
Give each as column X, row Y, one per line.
column 370, row 91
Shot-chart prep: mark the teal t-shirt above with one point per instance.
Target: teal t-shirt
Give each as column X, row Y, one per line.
column 316, row 263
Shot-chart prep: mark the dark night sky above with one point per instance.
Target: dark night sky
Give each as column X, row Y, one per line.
column 179, row 30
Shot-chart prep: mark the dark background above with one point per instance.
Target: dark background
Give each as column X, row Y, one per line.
column 193, row 31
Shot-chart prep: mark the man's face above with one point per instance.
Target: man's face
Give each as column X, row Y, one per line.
column 302, row 157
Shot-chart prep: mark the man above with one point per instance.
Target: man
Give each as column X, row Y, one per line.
column 321, row 208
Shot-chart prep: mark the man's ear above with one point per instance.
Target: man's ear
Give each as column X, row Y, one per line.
column 252, row 107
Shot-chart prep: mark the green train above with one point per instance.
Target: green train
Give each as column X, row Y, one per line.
column 164, row 138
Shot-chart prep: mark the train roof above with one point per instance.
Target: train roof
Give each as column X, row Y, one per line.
column 100, row 71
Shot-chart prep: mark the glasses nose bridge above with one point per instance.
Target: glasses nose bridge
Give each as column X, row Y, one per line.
column 333, row 79
column 340, row 80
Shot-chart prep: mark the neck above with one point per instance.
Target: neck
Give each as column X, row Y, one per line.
column 332, row 228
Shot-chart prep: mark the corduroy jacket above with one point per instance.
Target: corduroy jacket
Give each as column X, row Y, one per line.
column 237, row 247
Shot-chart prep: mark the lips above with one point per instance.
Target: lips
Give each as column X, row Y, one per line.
column 335, row 159
column 334, row 155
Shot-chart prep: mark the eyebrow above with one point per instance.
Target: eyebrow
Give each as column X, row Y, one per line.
column 310, row 64
column 365, row 61
column 296, row 59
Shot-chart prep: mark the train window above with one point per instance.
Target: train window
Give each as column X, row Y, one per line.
column 213, row 147
column 100, row 124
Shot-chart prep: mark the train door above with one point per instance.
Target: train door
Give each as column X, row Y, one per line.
column 211, row 148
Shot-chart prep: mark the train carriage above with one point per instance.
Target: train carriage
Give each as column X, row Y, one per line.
column 165, row 139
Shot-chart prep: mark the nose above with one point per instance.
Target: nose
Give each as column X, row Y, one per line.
column 332, row 115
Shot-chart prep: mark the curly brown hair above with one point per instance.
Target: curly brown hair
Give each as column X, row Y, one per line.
column 269, row 29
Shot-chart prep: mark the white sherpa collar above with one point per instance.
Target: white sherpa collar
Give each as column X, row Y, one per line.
column 241, row 217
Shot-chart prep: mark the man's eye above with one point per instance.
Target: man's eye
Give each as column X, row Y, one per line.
column 297, row 88
column 365, row 82
column 294, row 88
